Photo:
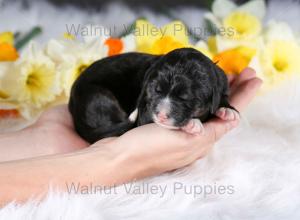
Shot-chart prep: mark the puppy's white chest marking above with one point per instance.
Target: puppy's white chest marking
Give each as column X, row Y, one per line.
column 133, row 116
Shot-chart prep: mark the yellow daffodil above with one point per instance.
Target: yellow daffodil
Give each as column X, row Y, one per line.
column 7, row 37
column 7, row 50
column 233, row 61
column 279, row 56
column 154, row 40
column 32, row 81
column 73, row 57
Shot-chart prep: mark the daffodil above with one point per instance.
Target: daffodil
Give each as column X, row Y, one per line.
column 73, row 57
column 154, row 40
column 8, row 110
column 279, row 57
column 242, row 21
column 32, row 81
column 280, row 60
column 233, row 61
column 7, row 37
column 236, row 25
column 120, row 45
column 7, row 50
column 203, row 48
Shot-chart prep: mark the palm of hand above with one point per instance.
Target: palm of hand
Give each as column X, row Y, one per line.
column 59, row 131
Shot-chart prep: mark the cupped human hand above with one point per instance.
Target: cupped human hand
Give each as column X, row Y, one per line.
column 151, row 149
column 56, row 130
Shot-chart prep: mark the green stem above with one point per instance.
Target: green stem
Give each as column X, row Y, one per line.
column 22, row 41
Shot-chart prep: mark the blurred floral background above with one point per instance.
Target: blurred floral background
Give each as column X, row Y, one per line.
column 45, row 46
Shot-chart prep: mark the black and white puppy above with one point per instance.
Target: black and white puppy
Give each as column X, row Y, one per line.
column 178, row 90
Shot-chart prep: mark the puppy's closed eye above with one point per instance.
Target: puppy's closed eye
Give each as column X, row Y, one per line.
column 184, row 96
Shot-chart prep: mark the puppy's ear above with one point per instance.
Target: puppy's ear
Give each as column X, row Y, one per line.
column 215, row 101
column 219, row 83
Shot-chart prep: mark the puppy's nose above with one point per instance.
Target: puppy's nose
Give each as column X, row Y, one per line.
column 162, row 116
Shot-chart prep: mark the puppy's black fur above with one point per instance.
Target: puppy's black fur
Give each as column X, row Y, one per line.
column 110, row 89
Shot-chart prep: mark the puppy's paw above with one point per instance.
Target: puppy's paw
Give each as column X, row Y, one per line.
column 227, row 114
column 133, row 116
column 194, row 126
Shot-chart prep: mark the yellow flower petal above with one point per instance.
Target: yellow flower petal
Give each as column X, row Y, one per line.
column 165, row 45
column 154, row 40
column 8, row 52
column 212, row 44
column 244, row 25
column 233, row 61
column 284, row 56
column 69, row 36
column 205, row 51
column 3, row 95
column 177, row 30
column 146, row 34
column 247, row 52
column 7, row 37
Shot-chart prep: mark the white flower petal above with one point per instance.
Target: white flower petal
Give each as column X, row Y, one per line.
column 4, row 67
column 7, row 105
column 96, row 32
column 201, row 44
column 254, row 7
column 56, row 50
column 209, row 17
column 255, row 64
column 279, row 31
column 129, row 43
column 221, row 8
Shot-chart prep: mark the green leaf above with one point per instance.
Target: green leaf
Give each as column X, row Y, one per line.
column 22, row 41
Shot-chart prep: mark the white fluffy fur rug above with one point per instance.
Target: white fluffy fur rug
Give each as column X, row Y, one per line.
column 252, row 173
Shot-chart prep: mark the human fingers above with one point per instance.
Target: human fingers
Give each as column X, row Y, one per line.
column 216, row 128
column 244, row 93
column 247, row 74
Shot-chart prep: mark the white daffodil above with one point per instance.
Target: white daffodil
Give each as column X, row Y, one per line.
column 236, row 25
column 7, row 106
column 73, row 57
column 32, row 81
column 279, row 57
column 129, row 43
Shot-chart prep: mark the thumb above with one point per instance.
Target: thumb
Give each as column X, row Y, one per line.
column 216, row 128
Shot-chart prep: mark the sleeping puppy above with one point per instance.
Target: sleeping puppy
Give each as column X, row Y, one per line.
column 179, row 90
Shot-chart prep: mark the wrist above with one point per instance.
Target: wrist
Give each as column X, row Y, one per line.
column 124, row 164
